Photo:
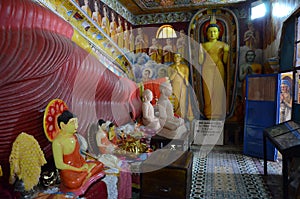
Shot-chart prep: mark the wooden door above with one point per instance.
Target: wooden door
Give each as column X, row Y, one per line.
column 261, row 112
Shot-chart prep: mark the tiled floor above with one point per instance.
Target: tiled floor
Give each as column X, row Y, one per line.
column 272, row 181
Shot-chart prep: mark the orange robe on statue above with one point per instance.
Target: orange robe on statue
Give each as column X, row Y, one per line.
column 74, row 179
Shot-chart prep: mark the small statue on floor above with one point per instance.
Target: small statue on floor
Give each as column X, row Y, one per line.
column 173, row 127
column 149, row 119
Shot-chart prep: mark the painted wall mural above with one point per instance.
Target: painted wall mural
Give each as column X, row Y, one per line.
column 251, row 53
column 97, row 27
column 151, row 4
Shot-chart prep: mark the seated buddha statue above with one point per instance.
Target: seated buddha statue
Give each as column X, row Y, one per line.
column 74, row 169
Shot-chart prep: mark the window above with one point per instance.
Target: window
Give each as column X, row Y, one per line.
column 166, row 31
column 258, row 10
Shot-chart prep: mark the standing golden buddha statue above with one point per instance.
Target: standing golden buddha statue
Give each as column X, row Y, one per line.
column 213, row 56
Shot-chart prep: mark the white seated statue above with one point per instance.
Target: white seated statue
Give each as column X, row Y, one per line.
column 149, row 118
column 173, row 127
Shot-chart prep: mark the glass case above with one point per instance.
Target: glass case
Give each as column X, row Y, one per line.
column 286, row 138
column 285, row 135
column 283, row 128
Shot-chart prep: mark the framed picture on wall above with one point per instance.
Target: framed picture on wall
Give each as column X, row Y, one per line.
column 298, row 28
column 286, row 96
column 297, row 55
column 297, row 87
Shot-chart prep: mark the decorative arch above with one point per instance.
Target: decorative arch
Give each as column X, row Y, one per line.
column 229, row 33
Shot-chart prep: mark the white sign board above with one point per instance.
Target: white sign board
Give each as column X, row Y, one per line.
column 208, row 132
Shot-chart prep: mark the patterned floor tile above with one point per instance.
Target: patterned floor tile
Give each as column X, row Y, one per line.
column 231, row 175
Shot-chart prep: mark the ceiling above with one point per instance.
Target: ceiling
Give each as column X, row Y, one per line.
column 138, row 7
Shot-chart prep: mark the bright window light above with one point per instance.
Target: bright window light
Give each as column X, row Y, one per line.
column 166, row 31
column 258, row 11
